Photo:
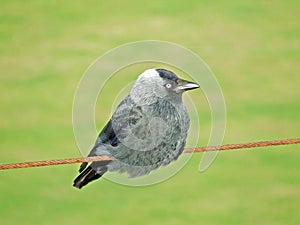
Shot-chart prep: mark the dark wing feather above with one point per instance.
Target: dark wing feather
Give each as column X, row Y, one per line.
column 108, row 136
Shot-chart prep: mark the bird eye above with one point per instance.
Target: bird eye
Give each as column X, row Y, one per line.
column 168, row 85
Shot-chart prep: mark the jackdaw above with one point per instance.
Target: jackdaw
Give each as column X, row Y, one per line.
column 147, row 130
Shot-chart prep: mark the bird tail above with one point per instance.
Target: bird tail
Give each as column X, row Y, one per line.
column 88, row 175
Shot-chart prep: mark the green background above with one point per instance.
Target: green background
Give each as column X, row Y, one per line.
column 251, row 46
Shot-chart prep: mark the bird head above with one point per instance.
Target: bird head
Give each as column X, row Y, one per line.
column 153, row 84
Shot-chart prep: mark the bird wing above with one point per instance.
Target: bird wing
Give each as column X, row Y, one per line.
column 108, row 135
column 126, row 116
column 117, row 126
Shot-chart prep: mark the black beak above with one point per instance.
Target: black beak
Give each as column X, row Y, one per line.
column 186, row 85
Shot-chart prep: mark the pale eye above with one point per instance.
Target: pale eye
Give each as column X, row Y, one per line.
column 168, row 85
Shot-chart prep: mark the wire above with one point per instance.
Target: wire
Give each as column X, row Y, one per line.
column 188, row 150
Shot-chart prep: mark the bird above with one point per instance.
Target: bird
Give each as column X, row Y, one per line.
column 147, row 130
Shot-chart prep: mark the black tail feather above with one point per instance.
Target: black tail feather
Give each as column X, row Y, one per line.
column 88, row 175
column 82, row 166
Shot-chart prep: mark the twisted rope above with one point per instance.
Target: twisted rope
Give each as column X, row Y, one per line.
column 187, row 150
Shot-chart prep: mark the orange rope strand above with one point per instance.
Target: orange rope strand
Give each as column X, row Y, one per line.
column 188, row 150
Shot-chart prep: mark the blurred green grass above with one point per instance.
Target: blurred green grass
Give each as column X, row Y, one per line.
column 252, row 47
